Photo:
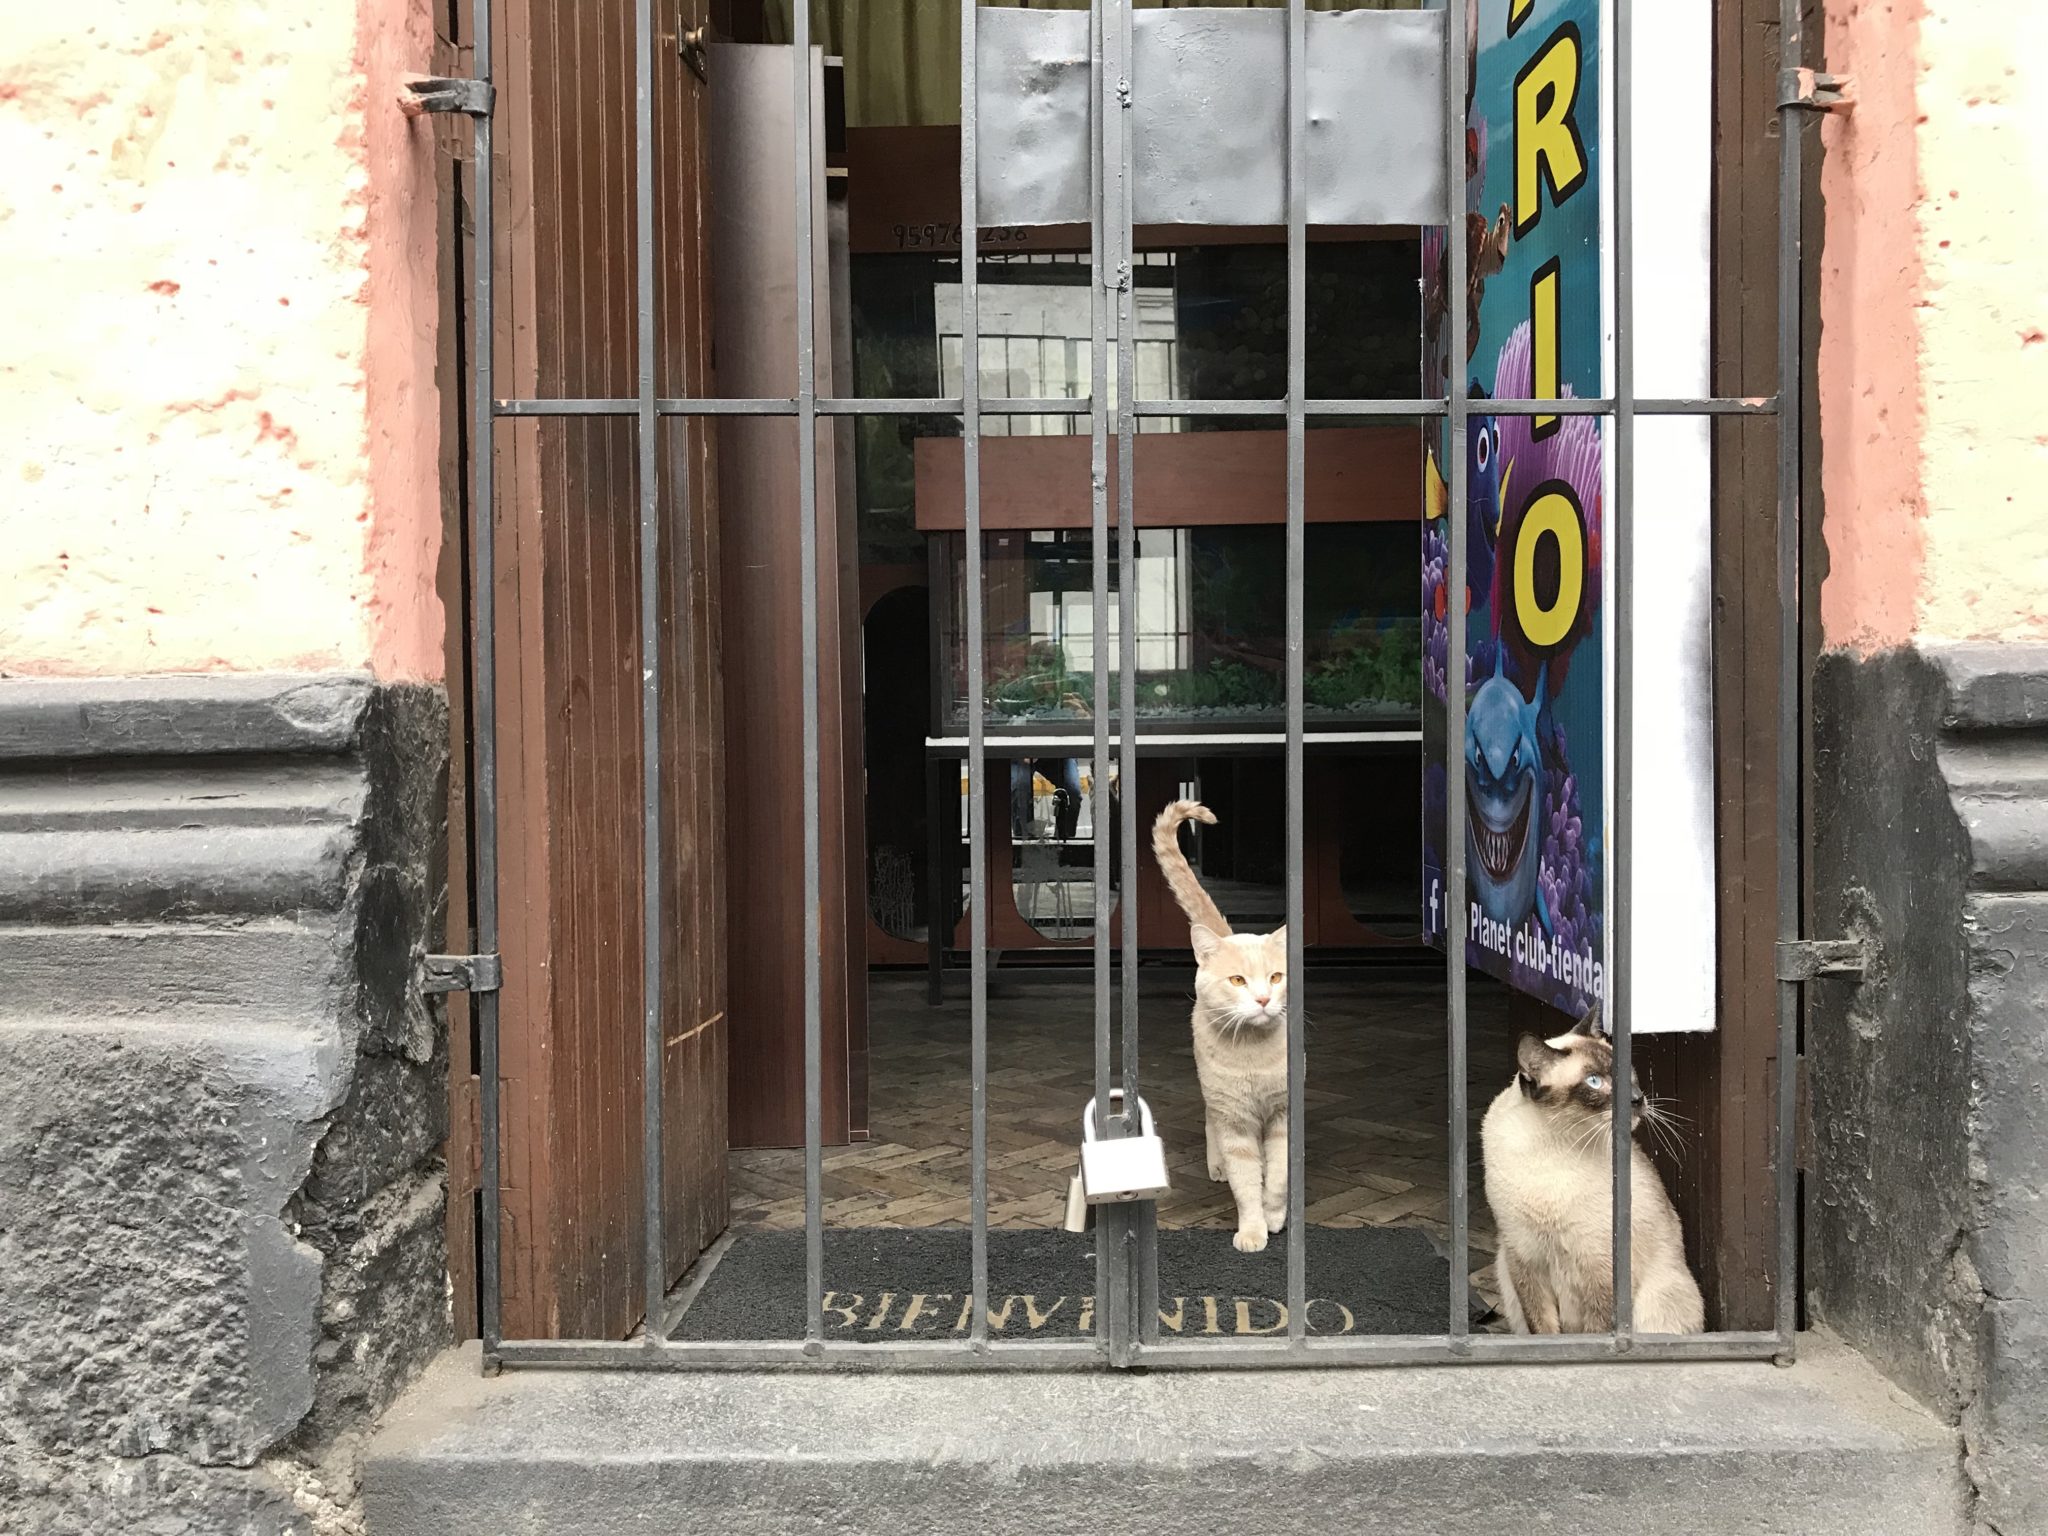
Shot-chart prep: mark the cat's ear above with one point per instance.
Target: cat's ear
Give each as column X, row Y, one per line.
column 1589, row 1024
column 1533, row 1057
column 1279, row 936
column 1205, row 942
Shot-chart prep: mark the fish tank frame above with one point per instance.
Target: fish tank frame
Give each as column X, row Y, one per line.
column 1363, row 664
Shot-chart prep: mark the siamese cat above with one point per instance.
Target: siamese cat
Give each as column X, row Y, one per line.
column 1240, row 1035
column 1548, row 1147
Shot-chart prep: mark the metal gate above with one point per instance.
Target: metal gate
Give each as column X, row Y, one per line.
column 1126, row 1327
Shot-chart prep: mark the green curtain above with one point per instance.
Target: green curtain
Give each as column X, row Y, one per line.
column 903, row 56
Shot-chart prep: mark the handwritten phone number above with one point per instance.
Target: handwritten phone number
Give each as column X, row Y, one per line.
column 910, row 237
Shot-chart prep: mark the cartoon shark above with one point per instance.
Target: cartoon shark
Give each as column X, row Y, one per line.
column 1503, row 795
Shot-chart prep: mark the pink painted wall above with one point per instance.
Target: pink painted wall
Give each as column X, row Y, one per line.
column 217, row 245
column 1934, row 326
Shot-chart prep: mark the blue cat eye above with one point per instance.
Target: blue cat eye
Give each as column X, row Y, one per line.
column 1595, row 1081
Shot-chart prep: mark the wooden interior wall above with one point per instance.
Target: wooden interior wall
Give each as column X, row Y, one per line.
column 753, row 246
column 568, row 694
column 853, row 957
column 1185, row 479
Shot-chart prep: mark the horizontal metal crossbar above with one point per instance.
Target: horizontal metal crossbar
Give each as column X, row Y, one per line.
column 1181, row 741
column 1709, row 405
column 1179, row 1354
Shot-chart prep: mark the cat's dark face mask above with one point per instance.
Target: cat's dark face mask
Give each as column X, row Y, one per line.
column 1573, row 1074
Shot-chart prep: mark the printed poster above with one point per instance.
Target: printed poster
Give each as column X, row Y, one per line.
column 1532, row 753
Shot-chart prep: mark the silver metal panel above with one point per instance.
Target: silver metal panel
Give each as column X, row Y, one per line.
column 1375, row 118
column 1210, row 89
column 1032, row 119
column 1208, row 117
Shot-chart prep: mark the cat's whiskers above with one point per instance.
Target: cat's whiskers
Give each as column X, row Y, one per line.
column 1593, row 1130
column 1663, row 1126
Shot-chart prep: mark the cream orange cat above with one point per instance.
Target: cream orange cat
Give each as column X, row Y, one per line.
column 1240, row 1037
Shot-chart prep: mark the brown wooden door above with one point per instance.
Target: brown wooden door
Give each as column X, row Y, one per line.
column 569, row 661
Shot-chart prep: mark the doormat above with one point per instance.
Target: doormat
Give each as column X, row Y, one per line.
column 886, row 1284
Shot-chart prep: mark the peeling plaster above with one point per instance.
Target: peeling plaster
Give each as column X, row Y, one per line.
column 216, row 235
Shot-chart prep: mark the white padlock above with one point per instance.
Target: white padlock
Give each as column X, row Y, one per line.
column 1127, row 1168
column 1077, row 1206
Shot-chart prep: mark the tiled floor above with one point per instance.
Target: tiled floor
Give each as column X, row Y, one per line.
column 1377, row 1105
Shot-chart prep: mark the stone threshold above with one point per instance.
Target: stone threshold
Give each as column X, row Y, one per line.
column 1825, row 1446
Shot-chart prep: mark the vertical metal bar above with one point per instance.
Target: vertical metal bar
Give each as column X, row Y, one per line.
column 1621, row 551
column 1455, row 412
column 1297, row 455
column 1127, row 555
column 1118, row 1233
column 1098, row 534
column 977, row 759
column 484, row 705
column 1103, row 104
column 1791, row 421
column 807, row 542
column 656, row 1258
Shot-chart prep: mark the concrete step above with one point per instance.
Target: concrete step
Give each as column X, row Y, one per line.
column 1826, row 1446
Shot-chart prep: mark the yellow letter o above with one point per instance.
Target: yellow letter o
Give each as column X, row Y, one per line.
column 1551, row 513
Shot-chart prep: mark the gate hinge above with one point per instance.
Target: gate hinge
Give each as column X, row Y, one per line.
column 1804, row 959
column 691, row 44
column 443, row 93
column 461, row 973
column 1816, row 92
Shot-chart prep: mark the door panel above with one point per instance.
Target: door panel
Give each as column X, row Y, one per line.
column 568, row 687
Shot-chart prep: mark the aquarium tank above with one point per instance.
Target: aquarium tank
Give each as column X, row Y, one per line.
column 1211, row 628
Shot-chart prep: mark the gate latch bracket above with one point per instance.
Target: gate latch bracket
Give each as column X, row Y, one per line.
column 1805, row 959
column 443, row 93
column 461, row 973
column 1816, row 92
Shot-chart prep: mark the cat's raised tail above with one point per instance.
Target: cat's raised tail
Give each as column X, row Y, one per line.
column 1187, row 890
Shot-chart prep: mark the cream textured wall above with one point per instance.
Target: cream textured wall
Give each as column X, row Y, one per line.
column 1933, row 368
column 216, row 350
column 1984, row 317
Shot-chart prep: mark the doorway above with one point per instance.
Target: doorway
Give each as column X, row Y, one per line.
column 858, row 940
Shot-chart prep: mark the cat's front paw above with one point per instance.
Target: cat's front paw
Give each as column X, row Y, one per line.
column 1216, row 1172
column 1250, row 1238
column 1276, row 1217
